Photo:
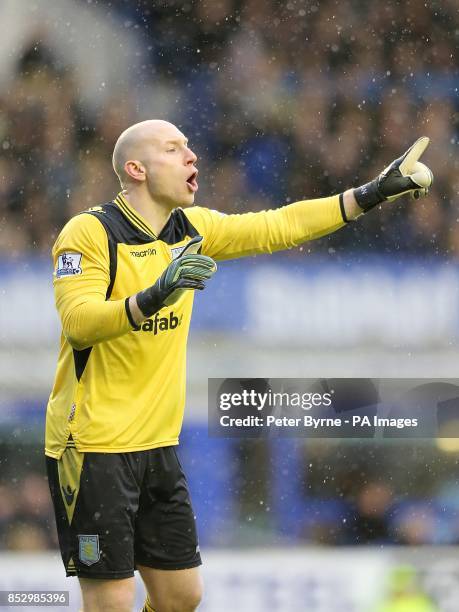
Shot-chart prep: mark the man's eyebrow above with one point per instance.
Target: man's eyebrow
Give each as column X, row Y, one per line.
column 177, row 141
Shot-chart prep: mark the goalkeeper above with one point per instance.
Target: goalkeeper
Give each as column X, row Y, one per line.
column 124, row 280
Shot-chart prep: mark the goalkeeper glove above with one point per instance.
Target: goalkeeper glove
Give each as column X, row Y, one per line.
column 404, row 175
column 188, row 271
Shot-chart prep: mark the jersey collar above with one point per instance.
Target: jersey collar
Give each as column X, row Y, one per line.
column 133, row 216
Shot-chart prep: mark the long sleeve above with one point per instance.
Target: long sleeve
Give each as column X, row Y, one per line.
column 232, row 236
column 81, row 278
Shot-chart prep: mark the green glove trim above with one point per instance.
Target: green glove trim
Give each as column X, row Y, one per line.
column 188, row 271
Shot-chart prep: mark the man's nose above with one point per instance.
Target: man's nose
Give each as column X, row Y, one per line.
column 191, row 158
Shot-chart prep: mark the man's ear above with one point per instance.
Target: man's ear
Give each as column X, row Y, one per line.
column 135, row 170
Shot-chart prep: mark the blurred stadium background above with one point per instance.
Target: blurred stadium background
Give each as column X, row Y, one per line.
column 281, row 101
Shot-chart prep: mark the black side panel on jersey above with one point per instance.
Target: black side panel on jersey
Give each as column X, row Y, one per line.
column 120, row 230
column 80, row 359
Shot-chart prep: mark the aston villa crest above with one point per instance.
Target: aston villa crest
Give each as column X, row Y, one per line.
column 89, row 552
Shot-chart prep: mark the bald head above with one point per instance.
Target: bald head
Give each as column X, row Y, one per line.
column 132, row 143
column 155, row 164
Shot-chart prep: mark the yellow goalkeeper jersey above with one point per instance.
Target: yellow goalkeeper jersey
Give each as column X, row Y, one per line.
column 120, row 388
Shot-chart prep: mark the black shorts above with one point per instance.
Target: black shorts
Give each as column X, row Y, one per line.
column 117, row 510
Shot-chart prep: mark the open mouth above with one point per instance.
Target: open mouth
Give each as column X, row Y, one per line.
column 192, row 182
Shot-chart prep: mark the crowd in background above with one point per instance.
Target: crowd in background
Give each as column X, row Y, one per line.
column 281, row 101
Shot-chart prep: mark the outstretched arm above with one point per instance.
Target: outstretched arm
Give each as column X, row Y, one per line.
column 232, row 236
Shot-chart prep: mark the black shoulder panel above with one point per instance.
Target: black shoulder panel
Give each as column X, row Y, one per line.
column 119, row 229
column 118, row 226
column 177, row 228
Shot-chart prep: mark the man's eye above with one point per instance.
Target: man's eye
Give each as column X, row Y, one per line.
column 171, row 150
